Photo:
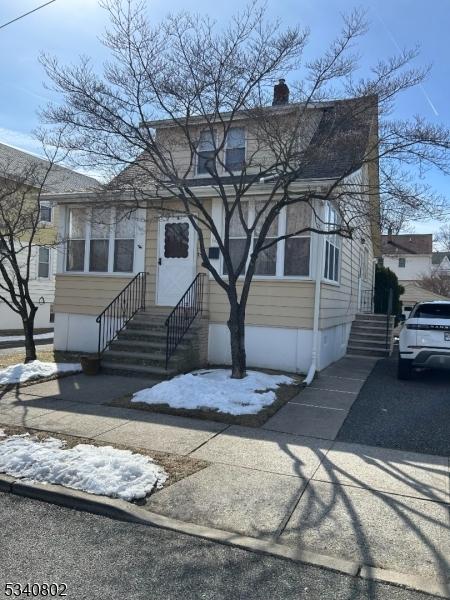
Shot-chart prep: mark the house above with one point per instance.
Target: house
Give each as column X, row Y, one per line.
column 304, row 296
column 441, row 262
column 410, row 256
column 20, row 170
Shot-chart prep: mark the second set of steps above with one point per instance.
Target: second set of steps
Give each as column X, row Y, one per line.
column 371, row 335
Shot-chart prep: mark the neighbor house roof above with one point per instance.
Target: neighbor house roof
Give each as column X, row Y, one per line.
column 408, row 243
column 438, row 257
column 20, row 165
column 337, row 147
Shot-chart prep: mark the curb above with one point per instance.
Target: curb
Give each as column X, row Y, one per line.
column 123, row 511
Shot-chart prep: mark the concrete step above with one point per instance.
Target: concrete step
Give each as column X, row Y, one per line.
column 369, row 326
column 371, row 317
column 151, row 359
column 154, row 372
column 368, row 335
column 149, row 335
column 366, row 351
column 375, row 344
column 132, row 345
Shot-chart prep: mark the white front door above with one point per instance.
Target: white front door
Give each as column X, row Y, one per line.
column 176, row 259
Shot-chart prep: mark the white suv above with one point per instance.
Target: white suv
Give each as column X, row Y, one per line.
column 424, row 339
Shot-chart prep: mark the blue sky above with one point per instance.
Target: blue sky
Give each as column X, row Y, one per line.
column 69, row 28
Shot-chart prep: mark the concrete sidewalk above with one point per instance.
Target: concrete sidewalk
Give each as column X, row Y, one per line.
column 289, row 481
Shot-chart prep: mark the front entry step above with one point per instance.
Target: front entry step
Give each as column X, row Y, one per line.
column 140, row 348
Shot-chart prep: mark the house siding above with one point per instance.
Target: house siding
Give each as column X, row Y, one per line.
column 86, row 294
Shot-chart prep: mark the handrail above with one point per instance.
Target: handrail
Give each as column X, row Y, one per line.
column 119, row 311
column 389, row 318
column 183, row 315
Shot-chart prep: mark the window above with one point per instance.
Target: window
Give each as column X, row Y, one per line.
column 402, row 263
column 237, row 237
column 44, row 262
column 332, row 246
column 431, row 311
column 365, row 264
column 235, row 149
column 206, row 153
column 101, row 240
column 77, row 240
column 176, row 240
column 125, row 227
column 45, row 213
column 297, row 248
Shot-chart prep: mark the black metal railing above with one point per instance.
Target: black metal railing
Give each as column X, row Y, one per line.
column 183, row 315
column 366, row 301
column 118, row 312
column 389, row 311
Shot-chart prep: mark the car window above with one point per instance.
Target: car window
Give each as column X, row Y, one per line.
column 432, row 311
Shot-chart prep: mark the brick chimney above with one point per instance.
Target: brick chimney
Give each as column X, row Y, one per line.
column 280, row 93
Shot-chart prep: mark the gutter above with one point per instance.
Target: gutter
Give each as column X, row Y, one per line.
column 317, row 296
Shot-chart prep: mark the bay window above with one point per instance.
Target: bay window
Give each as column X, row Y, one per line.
column 287, row 258
column 332, row 246
column 101, row 240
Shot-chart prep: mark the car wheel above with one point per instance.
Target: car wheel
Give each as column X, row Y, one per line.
column 405, row 368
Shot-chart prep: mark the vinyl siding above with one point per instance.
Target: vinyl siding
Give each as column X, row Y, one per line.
column 86, row 294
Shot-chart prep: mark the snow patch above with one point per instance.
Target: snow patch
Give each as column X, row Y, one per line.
column 21, row 338
column 215, row 390
column 35, row 370
column 103, row 470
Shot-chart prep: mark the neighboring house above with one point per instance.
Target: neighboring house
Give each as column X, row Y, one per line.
column 293, row 286
column 441, row 262
column 17, row 166
column 410, row 256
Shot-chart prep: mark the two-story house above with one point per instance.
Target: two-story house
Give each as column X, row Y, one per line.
column 305, row 293
column 20, row 170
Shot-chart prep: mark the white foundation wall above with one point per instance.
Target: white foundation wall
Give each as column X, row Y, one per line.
column 333, row 344
column 11, row 320
column 287, row 349
column 78, row 333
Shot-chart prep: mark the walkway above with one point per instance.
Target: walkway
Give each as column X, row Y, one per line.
column 289, row 481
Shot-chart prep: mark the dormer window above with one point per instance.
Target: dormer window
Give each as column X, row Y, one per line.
column 206, row 153
column 235, row 149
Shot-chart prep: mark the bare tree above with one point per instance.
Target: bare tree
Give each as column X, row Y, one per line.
column 436, row 282
column 442, row 238
column 20, row 225
column 204, row 80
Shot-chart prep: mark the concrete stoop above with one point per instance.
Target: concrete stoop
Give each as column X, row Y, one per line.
column 140, row 349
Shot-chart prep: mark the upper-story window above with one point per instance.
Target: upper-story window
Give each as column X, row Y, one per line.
column 402, row 263
column 332, row 245
column 206, row 153
column 45, row 213
column 101, row 240
column 235, row 149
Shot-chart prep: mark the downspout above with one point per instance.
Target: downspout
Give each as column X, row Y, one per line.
column 317, row 292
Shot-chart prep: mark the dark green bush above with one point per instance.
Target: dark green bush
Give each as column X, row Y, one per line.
column 386, row 280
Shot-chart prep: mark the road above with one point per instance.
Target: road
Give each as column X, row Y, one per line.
column 407, row 415
column 100, row 558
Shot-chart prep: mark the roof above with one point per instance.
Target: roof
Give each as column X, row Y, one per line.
column 438, row 257
column 336, row 148
column 18, row 164
column 408, row 243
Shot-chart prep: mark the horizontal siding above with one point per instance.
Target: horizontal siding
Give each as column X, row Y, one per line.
column 86, row 294
column 270, row 303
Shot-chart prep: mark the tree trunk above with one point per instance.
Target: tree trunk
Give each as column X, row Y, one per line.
column 30, row 347
column 236, row 325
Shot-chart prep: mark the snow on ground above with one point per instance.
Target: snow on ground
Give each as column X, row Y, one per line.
column 35, row 370
column 103, row 470
column 215, row 390
column 21, row 338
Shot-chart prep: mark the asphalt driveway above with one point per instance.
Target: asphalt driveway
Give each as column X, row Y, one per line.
column 408, row 415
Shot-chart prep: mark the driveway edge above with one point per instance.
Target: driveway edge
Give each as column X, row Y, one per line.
column 123, row 511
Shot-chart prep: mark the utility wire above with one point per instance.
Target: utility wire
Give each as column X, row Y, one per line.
column 26, row 14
